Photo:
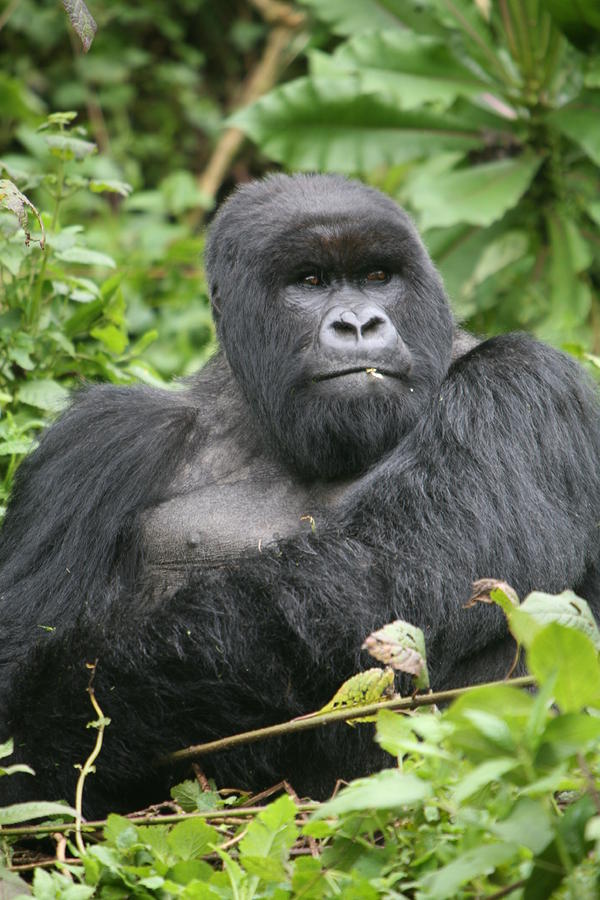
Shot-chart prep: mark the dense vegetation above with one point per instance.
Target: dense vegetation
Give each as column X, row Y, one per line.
column 483, row 118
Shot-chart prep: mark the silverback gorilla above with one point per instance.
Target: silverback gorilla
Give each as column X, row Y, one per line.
column 349, row 457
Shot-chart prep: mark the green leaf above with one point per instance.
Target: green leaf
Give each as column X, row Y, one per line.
column 413, row 69
column 470, row 865
column 17, row 768
column 66, row 147
column 482, row 776
column 549, row 867
column 44, row 394
column 112, row 337
column 478, row 195
column 353, row 16
column 110, row 186
column 86, row 257
column 528, row 825
column 272, row 832
column 361, row 689
column 190, row 796
column 566, row 608
column 82, row 21
column 579, row 122
column 192, row 838
column 574, row 659
column 401, row 646
column 16, row 447
column 23, row 812
column 396, row 734
column 7, row 748
column 570, row 734
column 327, row 124
column 388, row 789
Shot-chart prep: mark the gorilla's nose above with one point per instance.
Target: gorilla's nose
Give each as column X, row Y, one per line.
column 367, row 328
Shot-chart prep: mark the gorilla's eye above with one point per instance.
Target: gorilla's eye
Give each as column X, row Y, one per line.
column 314, row 279
column 377, row 275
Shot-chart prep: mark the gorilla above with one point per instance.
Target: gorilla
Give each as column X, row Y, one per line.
column 349, row 457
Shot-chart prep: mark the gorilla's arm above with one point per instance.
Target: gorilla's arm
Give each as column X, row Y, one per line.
column 68, row 541
column 501, row 480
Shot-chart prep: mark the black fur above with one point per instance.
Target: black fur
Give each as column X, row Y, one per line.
column 135, row 532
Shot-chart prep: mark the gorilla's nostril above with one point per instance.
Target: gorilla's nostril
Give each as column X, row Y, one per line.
column 372, row 325
column 344, row 327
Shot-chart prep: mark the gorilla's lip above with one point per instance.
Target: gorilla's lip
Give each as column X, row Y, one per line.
column 372, row 371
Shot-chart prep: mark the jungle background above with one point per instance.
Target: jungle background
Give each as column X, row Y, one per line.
column 482, row 118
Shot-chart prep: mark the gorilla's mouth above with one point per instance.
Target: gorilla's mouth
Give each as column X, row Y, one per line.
column 369, row 371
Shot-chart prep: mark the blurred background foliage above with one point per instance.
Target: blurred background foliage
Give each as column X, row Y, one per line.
column 482, row 117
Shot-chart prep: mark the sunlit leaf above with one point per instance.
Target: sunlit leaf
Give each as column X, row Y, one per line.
column 479, row 195
column 328, row 124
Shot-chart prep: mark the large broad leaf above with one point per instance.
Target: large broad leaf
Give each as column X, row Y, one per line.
column 570, row 655
column 580, row 121
column 478, row 195
column 355, row 16
column 570, row 298
column 578, row 19
column 415, row 70
column 328, row 124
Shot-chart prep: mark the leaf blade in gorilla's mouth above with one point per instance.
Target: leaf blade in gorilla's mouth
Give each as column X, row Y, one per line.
column 371, row 371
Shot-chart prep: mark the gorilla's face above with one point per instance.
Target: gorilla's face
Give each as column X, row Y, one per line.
column 332, row 317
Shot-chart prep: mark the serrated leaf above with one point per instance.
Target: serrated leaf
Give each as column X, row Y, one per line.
column 23, row 812
column 44, row 393
column 272, row 832
column 19, row 205
column 16, row 447
column 401, row 646
column 66, row 147
column 86, row 257
column 479, row 195
column 572, row 656
column 190, row 796
column 388, row 789
column 110, row 186
column 328, row 124
column 192, row 838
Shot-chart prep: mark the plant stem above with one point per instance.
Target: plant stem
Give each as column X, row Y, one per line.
column 340, row 715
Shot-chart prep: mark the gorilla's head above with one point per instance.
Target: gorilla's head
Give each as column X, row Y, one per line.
column 332, row 317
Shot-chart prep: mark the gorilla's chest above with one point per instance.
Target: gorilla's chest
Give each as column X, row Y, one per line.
column 221, row 510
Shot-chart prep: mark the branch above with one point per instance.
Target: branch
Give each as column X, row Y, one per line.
column 212, row 815
column 316, row 720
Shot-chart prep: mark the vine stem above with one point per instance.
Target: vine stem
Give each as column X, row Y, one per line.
column 316, row 720
column 89, row 763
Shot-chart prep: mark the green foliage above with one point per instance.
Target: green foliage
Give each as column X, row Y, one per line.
column 62, row 311
column 484, row 120
column 498, row 791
